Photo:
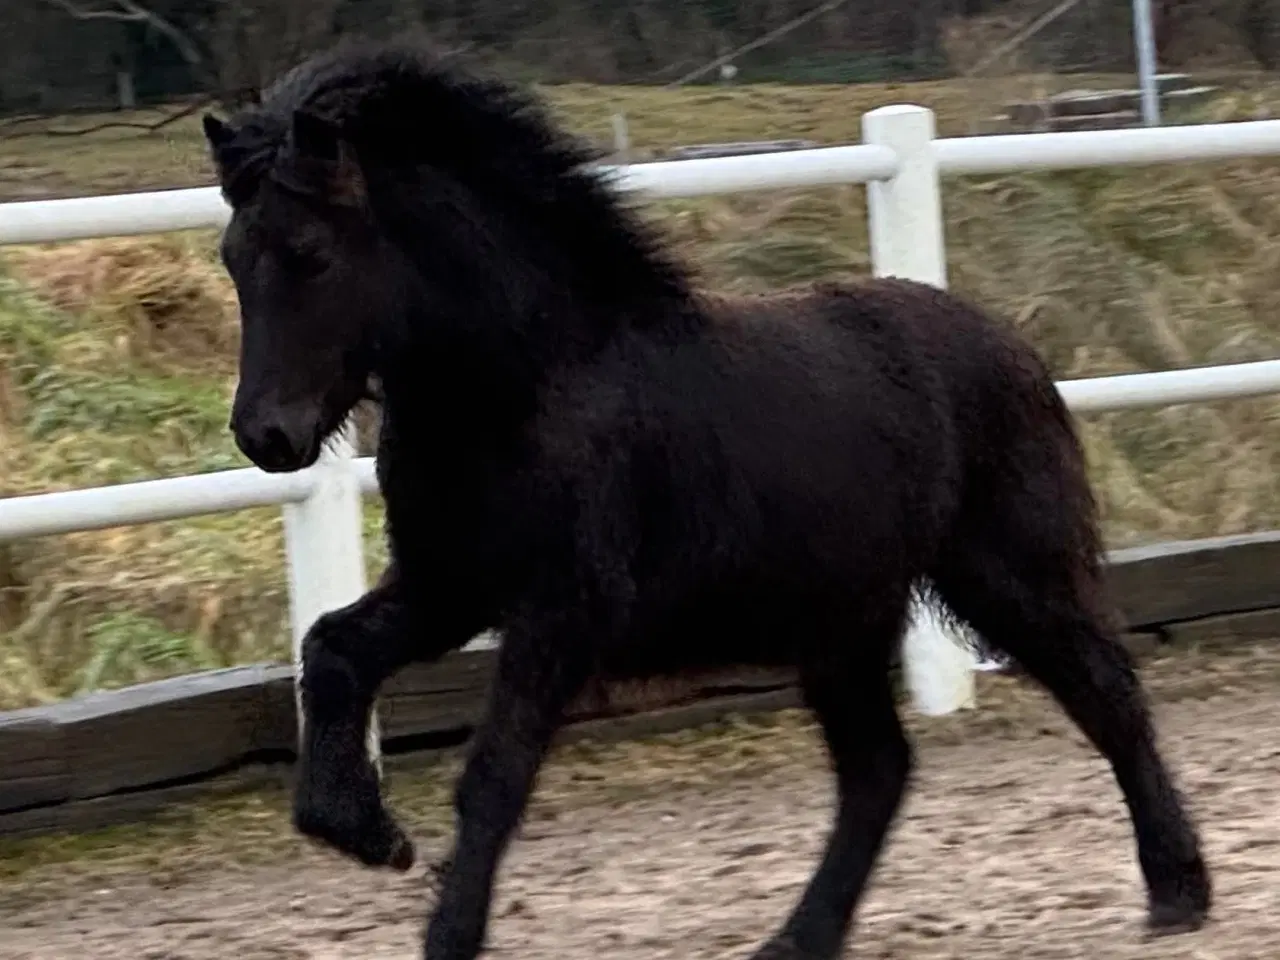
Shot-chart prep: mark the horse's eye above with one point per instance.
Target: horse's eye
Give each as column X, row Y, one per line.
column 305, row 264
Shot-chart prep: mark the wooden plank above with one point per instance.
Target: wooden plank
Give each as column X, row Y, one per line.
column 462, row 670
column 1230, row 630
column 641, row 696
column 198, row 727
column 33, row 766
column 159, row 732
column 633, row 726
column 276, row 727
column 422, row 699
column 97, row 813
column 450, row 696
column 1027, row 114
column 702, row 151
column 1077, row 103
column 1095, row 121
column 437, row 698
column 652, row 723
column 35, row 822
column 1188, row 580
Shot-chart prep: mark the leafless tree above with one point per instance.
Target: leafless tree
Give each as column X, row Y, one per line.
column 128, row 11
column 252, row 41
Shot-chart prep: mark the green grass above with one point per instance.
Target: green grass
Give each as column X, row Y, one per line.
column 117, row 358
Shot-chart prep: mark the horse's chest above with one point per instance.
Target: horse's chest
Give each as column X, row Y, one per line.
column 463, row 529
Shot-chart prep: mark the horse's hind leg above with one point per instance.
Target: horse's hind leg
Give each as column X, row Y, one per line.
column 1022, row 570
column 852, row 697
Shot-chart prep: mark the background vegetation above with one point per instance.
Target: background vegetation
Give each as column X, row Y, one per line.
column 117, row 358
column 74, row 54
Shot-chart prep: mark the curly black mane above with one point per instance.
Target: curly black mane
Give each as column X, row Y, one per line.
column 406, row 107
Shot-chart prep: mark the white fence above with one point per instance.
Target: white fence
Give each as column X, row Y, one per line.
column 901, row 162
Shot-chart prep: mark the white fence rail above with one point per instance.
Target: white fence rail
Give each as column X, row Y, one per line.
column 901, row 162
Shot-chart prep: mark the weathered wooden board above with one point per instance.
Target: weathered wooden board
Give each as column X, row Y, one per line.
column 660, row 720
column 1102, row 109
column 276, row 731
column 116, row 755
column 32, row 761
column 1186, row 580
column 424, row 700
column 704, row 151
column 1233, row 629
column 633, row 726
column 97, row 813
column 157, row 733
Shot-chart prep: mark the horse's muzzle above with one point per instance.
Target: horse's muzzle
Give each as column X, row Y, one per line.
column 279, row 440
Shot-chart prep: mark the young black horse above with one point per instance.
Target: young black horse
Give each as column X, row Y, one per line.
column 629, row 477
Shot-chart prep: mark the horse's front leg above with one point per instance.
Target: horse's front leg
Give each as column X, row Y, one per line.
column 346, row 656
column 542, row 666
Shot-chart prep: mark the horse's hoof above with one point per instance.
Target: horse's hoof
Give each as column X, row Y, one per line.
column 1170, row 919
column 783, row 948
column 1187, row 908
column 366, row 833
column 402, row 855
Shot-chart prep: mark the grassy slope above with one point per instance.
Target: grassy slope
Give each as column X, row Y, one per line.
column 117, row 357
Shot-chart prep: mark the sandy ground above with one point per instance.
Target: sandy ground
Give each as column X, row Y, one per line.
column 1013, row 844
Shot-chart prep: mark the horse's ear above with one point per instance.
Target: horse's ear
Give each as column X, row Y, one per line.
column 319, row 142
column 218, row 134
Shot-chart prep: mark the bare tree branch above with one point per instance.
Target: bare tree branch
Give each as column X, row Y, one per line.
column 1025, row 33
column 129, row 11
column 71, row 10
column 776, row 34
column 189, row 109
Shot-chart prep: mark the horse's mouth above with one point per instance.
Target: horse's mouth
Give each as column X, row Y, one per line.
column 281, row 450
column 281, row 457
column 285, row 438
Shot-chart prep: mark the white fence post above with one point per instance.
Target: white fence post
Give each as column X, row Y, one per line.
column 906, row 233
column 324, row 549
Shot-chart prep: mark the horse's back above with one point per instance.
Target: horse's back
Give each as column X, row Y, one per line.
column 804, row 441
column 880, row 387
column 902, row 366
column 846, row 419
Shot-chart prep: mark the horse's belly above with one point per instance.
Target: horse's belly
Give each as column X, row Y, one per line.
column 716, row 628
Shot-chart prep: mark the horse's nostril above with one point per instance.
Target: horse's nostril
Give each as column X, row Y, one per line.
column 276, row 449
column 276, row 446
column 269, row 445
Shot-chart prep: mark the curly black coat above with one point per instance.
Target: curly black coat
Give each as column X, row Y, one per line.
column 628, row 476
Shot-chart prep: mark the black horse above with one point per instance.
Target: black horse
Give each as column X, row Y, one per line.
column 629, row 477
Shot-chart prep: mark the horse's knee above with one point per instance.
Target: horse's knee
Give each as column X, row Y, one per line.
column 337, row 799
column 330, row 674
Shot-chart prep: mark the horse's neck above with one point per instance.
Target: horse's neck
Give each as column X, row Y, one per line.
column 447, row 481
column 447, row 432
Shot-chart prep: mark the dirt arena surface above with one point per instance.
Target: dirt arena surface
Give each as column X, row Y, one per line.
column 1014, row 844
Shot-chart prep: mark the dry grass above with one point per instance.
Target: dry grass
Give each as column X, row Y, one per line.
column 159, row 301
column 117, row 357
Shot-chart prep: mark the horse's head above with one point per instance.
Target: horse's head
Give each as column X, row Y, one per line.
column 394, row 215
column 313, row 277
